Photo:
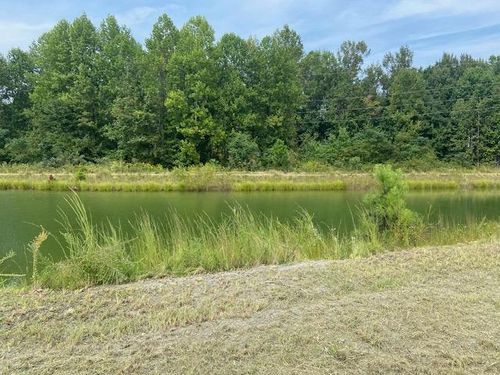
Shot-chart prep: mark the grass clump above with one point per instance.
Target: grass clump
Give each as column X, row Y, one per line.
column 259, row 186
column 34, row 247
column 93, row 255
column 485, row 184
column 432, row 185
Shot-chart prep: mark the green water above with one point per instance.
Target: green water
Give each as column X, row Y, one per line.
column 21, row 213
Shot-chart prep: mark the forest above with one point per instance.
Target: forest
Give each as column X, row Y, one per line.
column 90, row 94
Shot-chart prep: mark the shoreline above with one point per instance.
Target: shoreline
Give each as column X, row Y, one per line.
column 201, row 180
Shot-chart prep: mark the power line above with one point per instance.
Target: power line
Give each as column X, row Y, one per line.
column 425, row 91
column 381, row 107
column 493, row 107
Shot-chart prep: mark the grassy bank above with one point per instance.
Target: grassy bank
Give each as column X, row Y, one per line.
column 211, row 178
column 106, row 254
column 431, row 310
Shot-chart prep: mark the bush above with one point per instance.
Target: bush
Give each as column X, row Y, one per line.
column 200, row 177
column 385, row 219
column 278, row 156
column 81, row 174
column 188, row 155
column 243, row 152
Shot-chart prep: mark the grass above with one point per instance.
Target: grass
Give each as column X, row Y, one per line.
column 289, row 186
column 434, row 185
column 106, row 254
column 429, row 310
column 144, row 178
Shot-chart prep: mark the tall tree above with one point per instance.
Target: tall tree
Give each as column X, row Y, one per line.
column 192, row 100
column 64, row 94
column 128, row 126
column 475, row 114
column 280, row 86
column 15, row 88
column 160, row 47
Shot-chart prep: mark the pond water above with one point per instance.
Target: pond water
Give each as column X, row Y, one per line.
column 21, row 213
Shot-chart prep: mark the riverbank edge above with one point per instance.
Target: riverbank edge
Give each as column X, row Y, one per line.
column 350, row 315
column 239, row 181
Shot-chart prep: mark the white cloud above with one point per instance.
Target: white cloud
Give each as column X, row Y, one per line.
column 20, row 34
column 137, row 15
column 407, row 8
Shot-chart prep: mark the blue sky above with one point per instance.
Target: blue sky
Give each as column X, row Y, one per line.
column 429, row 27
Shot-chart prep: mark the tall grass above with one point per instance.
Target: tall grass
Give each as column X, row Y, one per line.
column 106, row 254
column 289, row 186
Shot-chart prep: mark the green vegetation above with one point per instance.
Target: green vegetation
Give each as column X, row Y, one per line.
column 431, row 310
column 212, row 177
column 84, row 94
column 385, row 219
column 107, row 255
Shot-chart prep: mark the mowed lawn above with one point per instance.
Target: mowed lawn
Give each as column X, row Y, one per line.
column 428, row 311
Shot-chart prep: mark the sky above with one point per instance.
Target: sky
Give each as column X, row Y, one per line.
column 429, row 27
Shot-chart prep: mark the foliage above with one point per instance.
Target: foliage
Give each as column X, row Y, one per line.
column 278, row 156
column 385, row 217
column 243, row 152
column 88, row 94
column 81, row 174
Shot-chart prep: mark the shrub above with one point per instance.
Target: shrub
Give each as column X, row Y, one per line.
column 200, row 177
column 243, row 152
column 188, row 155
column 81, row 174
column 278, row 156
column 385, row 219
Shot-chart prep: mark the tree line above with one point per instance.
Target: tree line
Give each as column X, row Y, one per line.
column 83, row 94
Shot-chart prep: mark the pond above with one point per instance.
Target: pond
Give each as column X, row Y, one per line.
column 22, row 213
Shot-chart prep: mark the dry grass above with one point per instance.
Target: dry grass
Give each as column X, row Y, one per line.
column 428, row 311
column 213, row 178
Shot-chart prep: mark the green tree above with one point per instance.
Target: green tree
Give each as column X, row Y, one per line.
column 65, row 89
column 407, row 118
column 160, row 48
column 279, row 88
column 475, row 114
column 319, row 73
column 385, row 218
column 129, row 128
column 235, row 85
column 15, row 89
column 192, row 101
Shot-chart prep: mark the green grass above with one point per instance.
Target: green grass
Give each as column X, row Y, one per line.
column 289, row 186
column 230, row 183
column 485, row 184
column 105, row 254
column 430, row 185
